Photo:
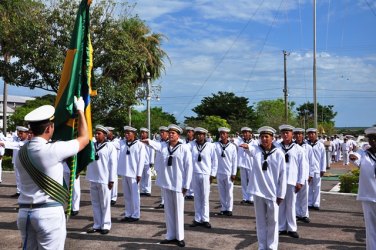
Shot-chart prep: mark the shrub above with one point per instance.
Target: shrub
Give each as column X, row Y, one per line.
column 7, row 163
column 349, row 182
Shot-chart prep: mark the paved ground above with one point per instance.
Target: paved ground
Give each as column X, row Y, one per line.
column 338, row 225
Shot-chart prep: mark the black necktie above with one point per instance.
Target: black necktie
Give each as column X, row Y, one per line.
column 169, row 162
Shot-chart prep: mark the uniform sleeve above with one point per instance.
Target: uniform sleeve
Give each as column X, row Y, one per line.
column 302, row 166
column 188, row 168
column 323, row 160
column 214, row 160
column 66, row 149
column 151, row 156
column 157, row 146
column 282, row 180
column 141, row 160
column 112, row 164
column 234, row 161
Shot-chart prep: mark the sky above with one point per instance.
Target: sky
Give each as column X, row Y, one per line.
column 237, row 46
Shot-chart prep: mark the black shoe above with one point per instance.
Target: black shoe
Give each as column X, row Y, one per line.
column 316, row 208
column 283, row 232
column 229, row 213
column 125, row 219
column 105, row 231
column 195, row 224
column 180, row 243
column 142, row 194
column 189, row 197
column 222, row 213
column 160, row 206
column 293, row 234
column 113, row 203
column 148, row 194
column 243, row 202
column 305, row 219
column 310, row 207
column 167, row 242
column 74, row 213
column 93, row 230
column 15, row 195
column 131, row 219
column 206, row 224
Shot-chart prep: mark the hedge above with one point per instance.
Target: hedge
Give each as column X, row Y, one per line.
column 349, row 182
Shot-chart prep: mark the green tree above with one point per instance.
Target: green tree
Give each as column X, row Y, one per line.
column 17, row 119
column 325, row 116
column 272, row 113
column 228, row 106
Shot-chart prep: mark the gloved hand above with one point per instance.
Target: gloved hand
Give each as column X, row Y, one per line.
column 79, row 103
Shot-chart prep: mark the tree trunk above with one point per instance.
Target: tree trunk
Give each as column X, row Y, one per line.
column 5, row 98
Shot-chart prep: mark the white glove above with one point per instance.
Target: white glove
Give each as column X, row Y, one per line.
column 79, row 103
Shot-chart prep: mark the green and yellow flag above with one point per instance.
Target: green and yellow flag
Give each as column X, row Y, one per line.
column 76, row 81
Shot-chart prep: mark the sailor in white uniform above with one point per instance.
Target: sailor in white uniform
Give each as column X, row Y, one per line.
column 76, row 194
column 130, row 166
column 245, row 164
column 145, row 186
column 316, row 171
column 174, row 177
column 159, row 161
column 41, row 217
column 190, row 137
column 366, row 161
column 115, row 141
column 204, row 171
column 296, row 167
column 268, row 176
column 101, row 173
column 302, row 213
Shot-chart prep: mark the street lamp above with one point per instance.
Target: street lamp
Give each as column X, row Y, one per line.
column 148, row 98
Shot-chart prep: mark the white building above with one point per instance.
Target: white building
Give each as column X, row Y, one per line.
column 12, row 103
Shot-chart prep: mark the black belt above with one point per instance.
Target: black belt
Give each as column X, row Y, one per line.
column 40, row 205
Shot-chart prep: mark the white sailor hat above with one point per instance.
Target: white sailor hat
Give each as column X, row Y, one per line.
column 102, row 128
column 223, row 129
column 110, row 128
column 370, row 131
column 311, row 130
column 266, row 130
column 246, row 129
column 175, row 128
column 201, row 130
column 298, row 130
column 163, row 128
column 22, row 128
column 286, row 127
column 129, row 128
column 43, row 113
column 189, row 129
column 144, row 130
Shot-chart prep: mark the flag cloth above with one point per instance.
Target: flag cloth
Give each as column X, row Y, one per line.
column 76, row 81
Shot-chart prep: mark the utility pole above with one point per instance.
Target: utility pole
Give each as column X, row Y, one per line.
column 285, row 54
column 148, row 98
column 5, row 99
column 314, row 67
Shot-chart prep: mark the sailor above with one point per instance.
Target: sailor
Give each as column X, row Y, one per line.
column 76, row 194
column 296, row 167
column 245, row 164
column 316, row 171
column 130, row 166
column 41, row 217
column 145, row 186
column 204, row 171
column 115, row 141
column 190, row 137
column 174, row 177
column 366, row 161
column 159, row 161
column 268, row 176
column 226, row 173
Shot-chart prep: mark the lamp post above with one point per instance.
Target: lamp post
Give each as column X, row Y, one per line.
column 148, row 98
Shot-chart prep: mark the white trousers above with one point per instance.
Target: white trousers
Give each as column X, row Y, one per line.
column 266, row 223
column 338, row 155
column 302, row 201
column 345, row 156
column 174, row 214
column 245, row 176
column 17, row 178
column 131, row 197
column 145, row 184
column 314, row 191
column 226, row 192
column 46, row 229
column 201, row 187
column 369, row 210
column 101, row 204
column 287, row 213
column 114, row 190
column 76, row 196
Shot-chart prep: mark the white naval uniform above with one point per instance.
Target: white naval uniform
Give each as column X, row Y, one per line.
column 145, row 185
column 296, row 172
column 227, row 166
column 202, row 170
column 47, row 228
column 159, row 161
column 190, row 192
column 129, row 167
column 245, row 165
column 100, row 173
column 76, row 194
column 367, row 194
column 172, row 179
column 346, row 147
column 114, row 190
column 15, row 145
column 302, row 196
column 339, row 142
column 318, row 150
column 267, row 186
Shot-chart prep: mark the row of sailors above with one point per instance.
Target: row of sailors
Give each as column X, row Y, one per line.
column 270, row 172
